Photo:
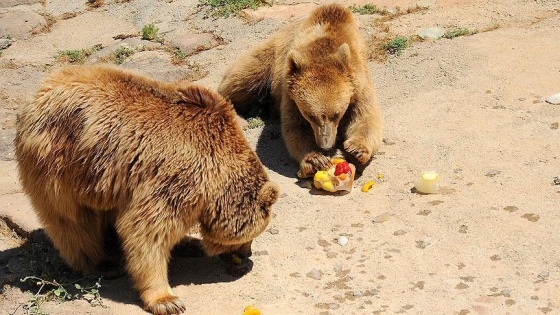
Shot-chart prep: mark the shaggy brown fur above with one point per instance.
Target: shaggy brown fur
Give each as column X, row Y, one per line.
column 316, row 72
column 100, row 146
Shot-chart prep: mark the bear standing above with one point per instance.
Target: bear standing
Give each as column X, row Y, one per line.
column 102, row 147
column 315, row 70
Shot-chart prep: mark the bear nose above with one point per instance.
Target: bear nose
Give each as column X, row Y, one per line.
column 325, row 136
column 245, row 250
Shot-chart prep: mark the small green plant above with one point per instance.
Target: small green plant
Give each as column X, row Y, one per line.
column 60, row 291
column 396, row 45
column 150, row 32
column 458, row 32
column 492, row 27
column 368, row 8
column 77, row 56
column 120, row 54
column 254, row 122
column 178, row 56
column 225, row 8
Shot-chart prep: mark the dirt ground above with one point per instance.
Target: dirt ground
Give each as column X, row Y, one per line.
column 471, row 108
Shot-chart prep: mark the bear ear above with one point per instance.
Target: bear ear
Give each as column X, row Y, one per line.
column 343, row 53
column 269, row 194
column 295, row 62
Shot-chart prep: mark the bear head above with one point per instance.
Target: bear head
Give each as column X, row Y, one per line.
column 322, row 89
column 239, row 215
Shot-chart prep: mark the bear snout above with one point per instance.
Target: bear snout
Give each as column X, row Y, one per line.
column 325, row 136
column 245, row 250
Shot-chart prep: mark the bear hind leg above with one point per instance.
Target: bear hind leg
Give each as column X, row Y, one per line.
column 76, row 232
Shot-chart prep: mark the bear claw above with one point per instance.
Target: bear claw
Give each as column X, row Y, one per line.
column 313, row 162
column 360, row 152
column 168, row 305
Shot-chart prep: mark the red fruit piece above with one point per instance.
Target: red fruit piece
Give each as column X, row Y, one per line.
column 342, row 168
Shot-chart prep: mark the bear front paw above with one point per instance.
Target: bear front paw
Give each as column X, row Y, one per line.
column 166, row 305
column 313, row 162
column 358, row 150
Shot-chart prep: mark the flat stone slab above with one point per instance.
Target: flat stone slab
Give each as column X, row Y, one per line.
column 72, row 34
column 190, row 43
column 20, row 24
column 553, row 99
column 13, row 3
column 15, row 204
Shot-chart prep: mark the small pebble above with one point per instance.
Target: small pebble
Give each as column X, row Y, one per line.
column 556, row 180
column 431, row 32
column 314, row 274
column 342, row 240
column 273, row 231
column 492, row 173
column 357, row 293
column 554, row 125
column 424, row 243
column 381, row 218
column 543, row 275
column 505, row 292
column 553, row 99
column 5, row 43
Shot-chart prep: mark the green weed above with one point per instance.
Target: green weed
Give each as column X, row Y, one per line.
column 60, row 291
column 120, row 54
column 225, row 8
column 459, row 32
column 150, row 32
column 254, row 122
column 77, row 56
column 396, row 45
column 368, row 9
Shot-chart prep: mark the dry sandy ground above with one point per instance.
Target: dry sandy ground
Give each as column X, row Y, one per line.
column 471, row 108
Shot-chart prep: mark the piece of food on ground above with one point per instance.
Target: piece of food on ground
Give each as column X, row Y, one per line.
column 367, row 186
column 427, row 182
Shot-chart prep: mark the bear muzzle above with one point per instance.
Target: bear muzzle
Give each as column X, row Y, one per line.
column 325, row 136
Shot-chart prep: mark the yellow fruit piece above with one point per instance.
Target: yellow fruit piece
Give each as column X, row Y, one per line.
column 249, row 310
column 342, row 176
column 329, row 186
column 368, row 185
column 236, row 260
column 321, row 176
column 380, row 176
column 337, row 160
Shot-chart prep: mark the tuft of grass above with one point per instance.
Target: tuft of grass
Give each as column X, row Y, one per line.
column 150, row 32
column 492, row 27
column 368, row 8
column 178, row 56
column 254, row 122
column 77, row 56
column 459, row 32
column 120, row 54
column 225, row 8
column 396, row 45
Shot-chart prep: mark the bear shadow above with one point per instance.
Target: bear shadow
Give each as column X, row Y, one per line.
column 37, row 260
column 272, row 151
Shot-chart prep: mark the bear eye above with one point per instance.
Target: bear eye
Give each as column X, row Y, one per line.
column 334, row 117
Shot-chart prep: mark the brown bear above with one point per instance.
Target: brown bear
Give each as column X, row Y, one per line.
column 315, row 71
column 101, row 146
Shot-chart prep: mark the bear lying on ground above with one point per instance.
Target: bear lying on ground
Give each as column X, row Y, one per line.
column 315, row 70
column 102, row 147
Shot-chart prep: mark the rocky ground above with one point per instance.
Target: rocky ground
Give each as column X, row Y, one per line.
column 473, row 108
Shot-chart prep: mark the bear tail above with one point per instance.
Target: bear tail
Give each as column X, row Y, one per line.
column 331, row 14
column 194, row 95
